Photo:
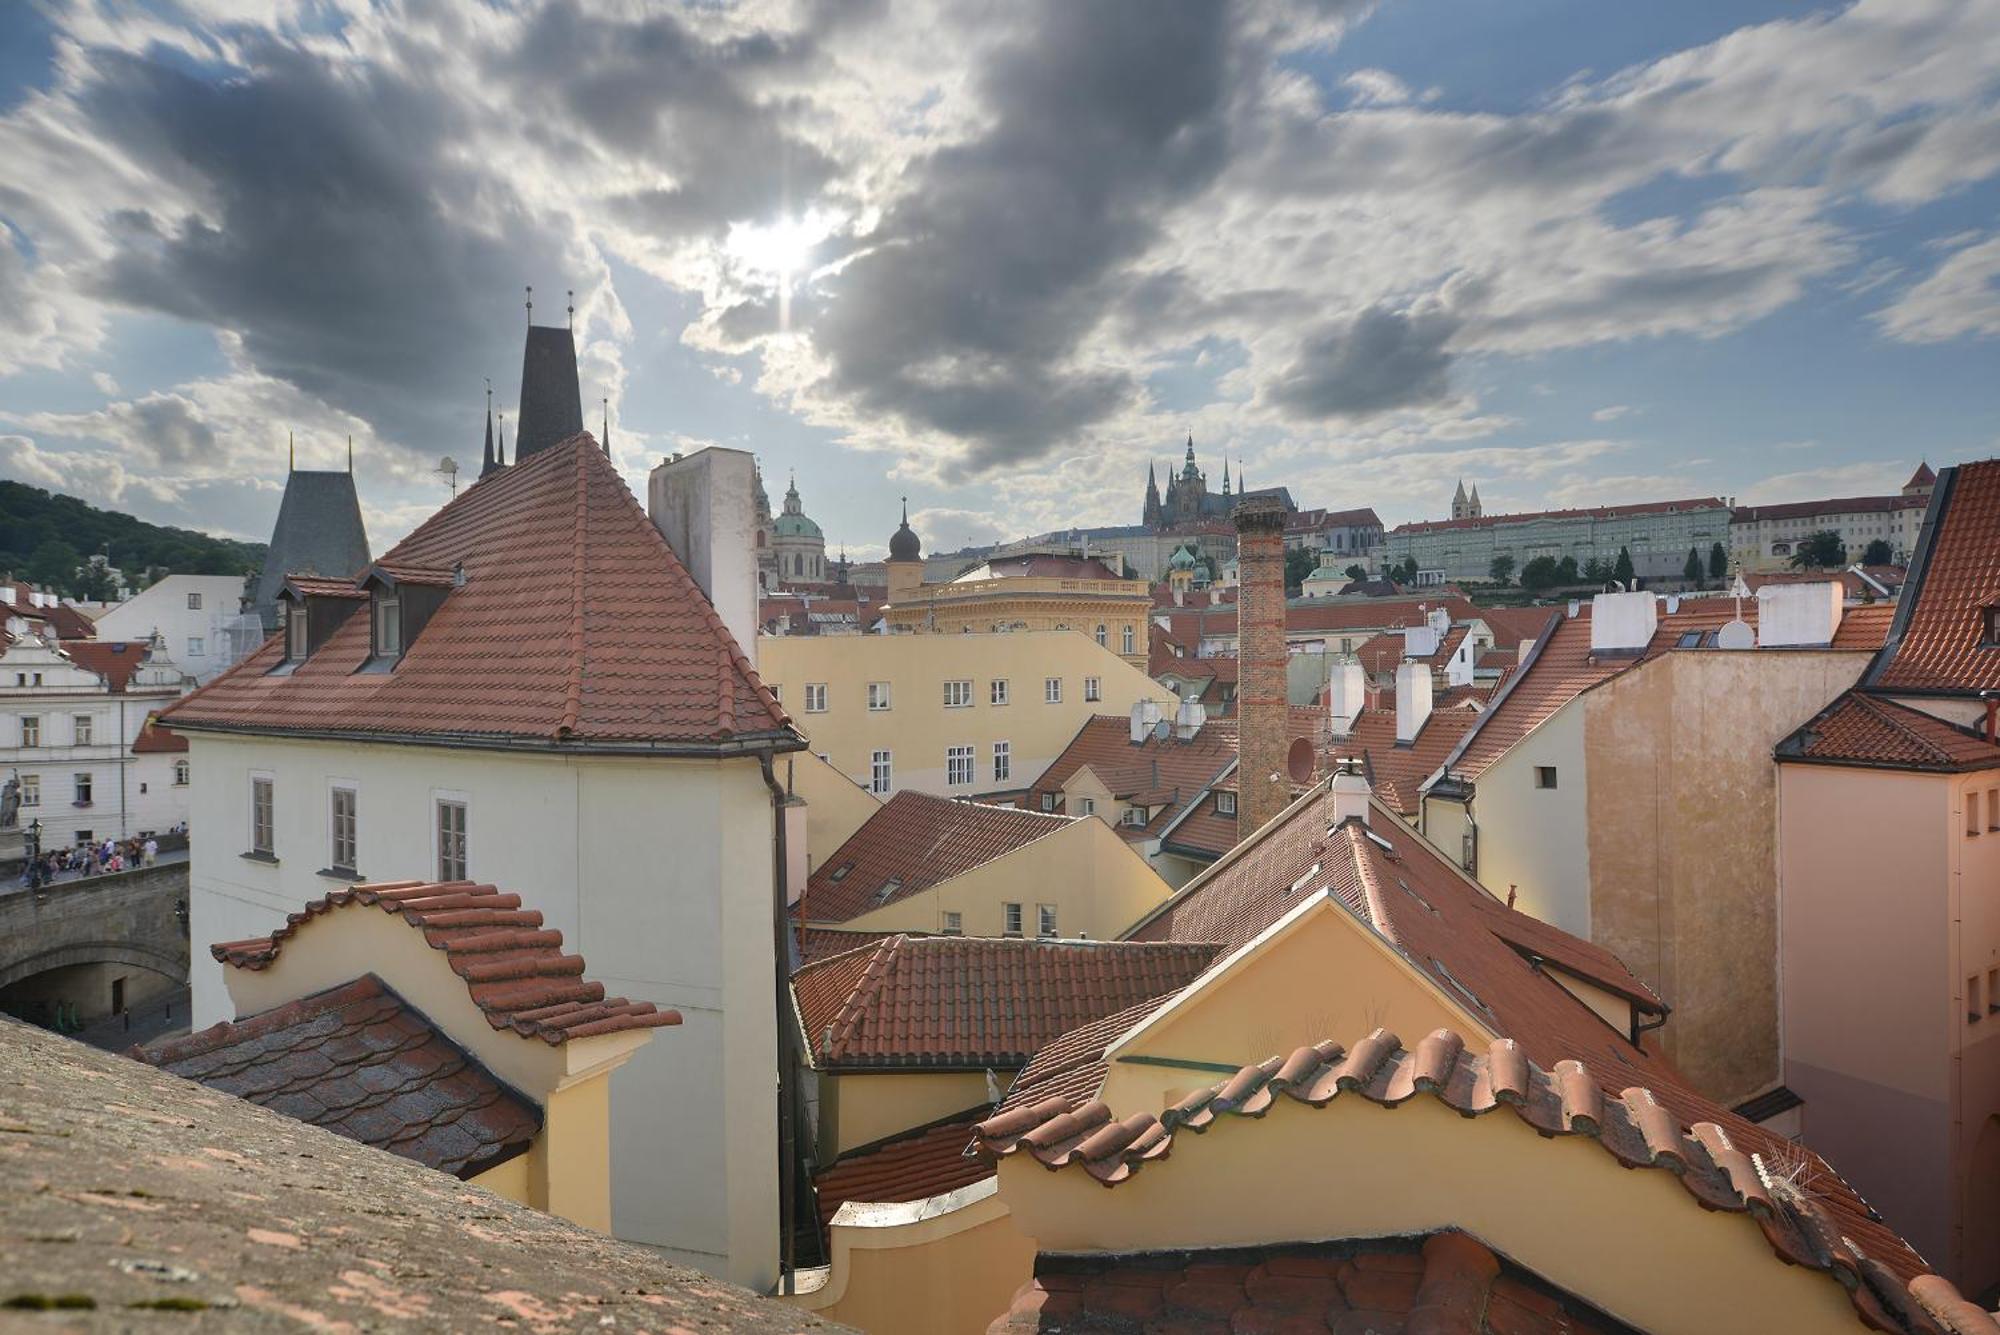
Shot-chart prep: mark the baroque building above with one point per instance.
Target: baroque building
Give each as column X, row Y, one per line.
column 1187, row 499
column 797, row 546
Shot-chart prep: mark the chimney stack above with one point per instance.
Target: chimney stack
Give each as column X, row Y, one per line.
column 1189, row 718
column 1623, row 623
column 1798, row 614
column 1346, row 694
column 1261, row 730
column 1413, row 700
column 704, row 505
column 1349, row 794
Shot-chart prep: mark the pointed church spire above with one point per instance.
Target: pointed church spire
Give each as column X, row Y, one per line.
column 1190, row 448
column 607, row 425
column 487, row 465
column 500, row 443
column 1225, row 475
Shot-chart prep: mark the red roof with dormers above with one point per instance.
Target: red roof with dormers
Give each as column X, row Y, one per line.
column 113, row 660
column 575, row 625
column 1939, row 640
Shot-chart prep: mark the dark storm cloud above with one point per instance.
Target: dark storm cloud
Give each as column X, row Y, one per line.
column 1008, row 250
column 1380, row 360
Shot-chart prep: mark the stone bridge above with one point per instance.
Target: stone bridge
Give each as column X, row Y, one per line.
column 94, row 947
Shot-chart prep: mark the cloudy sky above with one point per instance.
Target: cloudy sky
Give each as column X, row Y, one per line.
column 998, row 256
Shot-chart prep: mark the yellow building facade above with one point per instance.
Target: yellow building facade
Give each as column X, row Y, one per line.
column 1112, row 612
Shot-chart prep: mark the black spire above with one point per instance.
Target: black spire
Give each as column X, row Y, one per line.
column 489, row 464
column 903, row 544
column 551, row 400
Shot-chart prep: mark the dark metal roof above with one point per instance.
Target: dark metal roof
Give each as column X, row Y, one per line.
column 319, row 532
column 551, row 402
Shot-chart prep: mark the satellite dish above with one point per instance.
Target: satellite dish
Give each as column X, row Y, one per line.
column 1299, row 760
column 1736, row 635
column 1163, row 728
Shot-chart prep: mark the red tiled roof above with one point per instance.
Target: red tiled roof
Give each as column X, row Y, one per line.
column 1639, row 1128
column 595, row 631
column 361, row 1062
column 1355, row 1285
column 971, row 1002
column 1586, row 512
column 818, row 943
column 1876, row 733
column 113, row 660
column 1395, row 771
column 1511, row 625
column 1186, row 626
column 515, row 970
column 1938, row 642
column 1184, row 768
column 157, row 739
column 913, row 1166
column 912, row 842
column 1304, row 521
column 320, row 586
column 1923, row 477
column 1073, row 1066
column 1845, row 505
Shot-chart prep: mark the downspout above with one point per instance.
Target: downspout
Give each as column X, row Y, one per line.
column 787, row 1039
column 125, row 825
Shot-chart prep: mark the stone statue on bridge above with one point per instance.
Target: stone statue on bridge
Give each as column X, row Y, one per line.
column 10, row 802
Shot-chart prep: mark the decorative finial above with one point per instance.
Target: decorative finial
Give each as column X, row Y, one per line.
column 350, row 452
column 571, row 308
column 531, row 305
column 906, row 510
column 489, row 392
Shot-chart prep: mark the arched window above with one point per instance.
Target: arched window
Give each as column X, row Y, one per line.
column 1128, row 640
column 1100, row 634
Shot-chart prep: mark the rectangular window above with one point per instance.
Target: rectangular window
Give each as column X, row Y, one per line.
column 1045, row 920
column 1971, row 813
column 957, row 694
column 1048, row 801
column 1225, row 804
column 83, row 788
column 815, row 697
column 295, row 633
column 1992, row 990
column 451, row 840
column 1092, row 689
column 1003, row 761
column 262, row 838
column 881, row 772
column 1088, row 806
column 954, row 924
column 85, row 729
column 31, row 730
column 1545, row 776
column 197, row 647
column 1052, row 690
column 388, row 627
column 996, row 691
column 777, row 692
column 1133, row 816
column 194, row 602
column 342, row 851
column 1128, row 639
column 31, row 790
column 1993, row 808
column 1974, row 1011
column 1010, row 920
column 878, row 696
column 957, row 765
column 1100, row 635
column 180, row 774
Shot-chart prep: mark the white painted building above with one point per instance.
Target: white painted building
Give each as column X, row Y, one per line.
column 196, row 615
column 69, row 717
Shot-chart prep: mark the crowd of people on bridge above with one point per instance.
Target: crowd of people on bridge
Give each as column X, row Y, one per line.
column 96, row 858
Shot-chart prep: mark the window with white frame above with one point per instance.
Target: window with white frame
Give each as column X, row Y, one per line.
column 1134, row 816
column 1010, row 920
column 295, row 632
column 878, row 696
column 31, row 790
column 1101, row 635
column 31, row 730
column 85, row 729
column 197, row 647
column 1048, row 801
column 388, row 627
column 180, row 774
column 954, row 923
column 1092, row 689
column 958, row 694
column 777, row 691
column 1088, row 806
column 1225, row 804
column 957, row 765
column 1045, row 920
column 1003, row 761
column 344, row 829
column 451, row 838
column 881, row 772
column 1052, row 690
column 262, row 809
column 996, row 691
column 83, row 787
column 815, row 697
column 1127, row 640
column 194, row 602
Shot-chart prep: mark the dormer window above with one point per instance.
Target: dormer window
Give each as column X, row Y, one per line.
column 388, row 626
column 1989, row 626
column 295, row 632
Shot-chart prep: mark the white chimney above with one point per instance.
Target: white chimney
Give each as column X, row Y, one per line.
column 703, row 504
column 1440, row 621
column 1139, row 725
column 1189, row 718
column 1623, row 622
column 1346, row 694
column 1420, row 641
column 1798, row 614
column 1349, row 794
column 1413, row 700
column 1524, row 648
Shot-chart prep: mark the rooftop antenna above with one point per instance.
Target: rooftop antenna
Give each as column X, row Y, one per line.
column 531, row 305
column 448, row 470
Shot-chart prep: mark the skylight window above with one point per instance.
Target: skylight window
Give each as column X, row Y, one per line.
column 889, row 889
column 840, row 872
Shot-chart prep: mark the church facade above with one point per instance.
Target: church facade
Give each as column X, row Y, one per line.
column 1187, row 499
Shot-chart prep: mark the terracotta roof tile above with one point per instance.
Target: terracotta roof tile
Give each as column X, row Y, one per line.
column 1639, row 1128
column 1938, row 643
column 972, row 1002
column 113, row 660
column 516, row 971
column 155, row 738
column 1867, row 730
column 818, row 943
column 360, row 1061
column 1845, row 505
column 1184, row 768
column 1586, row 512
column 912, row 842
column 322, row 586
column 913, row 1166
column 605, row 637
column 1443, row 1284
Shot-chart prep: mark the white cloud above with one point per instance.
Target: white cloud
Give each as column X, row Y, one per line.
column 1611, row 413
column 1961, row 297
column 1871, row 478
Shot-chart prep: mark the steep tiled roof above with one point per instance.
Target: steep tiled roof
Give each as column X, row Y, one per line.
column 318, row 532
column 1869, row 731
column 140, row 1193
column 516, row 971
column 1587, row 512
column 1396, row 771
column 817, row 943
column 912, row 842
column 361, row 1062
column 1356, row 1285
column 155, row 738
column 913, row 1166
column 1183, row 768
column 320, row 586
column 1639, row 1128
column 1187, row 626
column 1937, row 643
column 1073, row 1066
column 595, row 633
column 958, row 1001
column 113, row 660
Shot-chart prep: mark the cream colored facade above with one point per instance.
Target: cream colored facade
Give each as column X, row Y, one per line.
column 1762, row 541
column 1658, row 840
column 836, row 806
column 567, row 1171
column 657, row 871
column 1891, row 951
column 917, row 727
column 1112, row 612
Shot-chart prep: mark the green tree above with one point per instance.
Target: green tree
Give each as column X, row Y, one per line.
column 1819, row 551
column 1404, row 571
column 1566, row 571
column 1597, row 570
column 1622, row 571
column 1692, row 571
column 1502, row 568
column 1356, row 572
column 1299, row 563
column 1718, row 562
column 1878, row 553
column 54, row 564
column 1540, row 573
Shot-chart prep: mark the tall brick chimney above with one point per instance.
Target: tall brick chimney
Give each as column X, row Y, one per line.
column 1261, row 718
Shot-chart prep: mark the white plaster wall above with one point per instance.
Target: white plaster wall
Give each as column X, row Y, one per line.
column 658, row 872
column 1536, row 838
column 163, row 607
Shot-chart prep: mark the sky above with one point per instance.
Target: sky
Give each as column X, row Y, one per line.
column 998, row 257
